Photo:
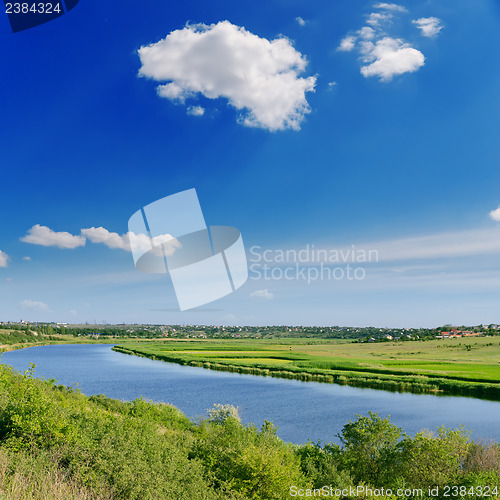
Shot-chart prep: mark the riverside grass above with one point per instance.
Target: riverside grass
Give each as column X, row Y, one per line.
column 56, row 443
column 464, row 367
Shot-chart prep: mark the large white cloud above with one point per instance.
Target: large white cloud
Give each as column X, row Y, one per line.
column 257, row 76
column 429, row 26
column 42, row 235
column 4, row 259
column 389, row 57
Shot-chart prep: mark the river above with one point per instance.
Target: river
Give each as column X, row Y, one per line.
column 301, row 410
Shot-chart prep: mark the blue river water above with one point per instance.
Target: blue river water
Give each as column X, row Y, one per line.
column 300, row 410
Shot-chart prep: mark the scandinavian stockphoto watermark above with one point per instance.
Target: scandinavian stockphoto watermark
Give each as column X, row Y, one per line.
column 205, row 263
column 310, row 263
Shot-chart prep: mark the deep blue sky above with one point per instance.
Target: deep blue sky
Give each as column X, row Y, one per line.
column 85, row 142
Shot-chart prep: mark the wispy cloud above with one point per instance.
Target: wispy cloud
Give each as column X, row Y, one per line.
column 258, row 77
column 34, row 305
column 27, row 258
column 44, row 236
column 262, row 294
column 4, row 259
column 390, row 6
column 474, row 242
column 302, row 22
column 429, row 26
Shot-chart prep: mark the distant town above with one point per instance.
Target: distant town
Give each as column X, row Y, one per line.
column 151, row 331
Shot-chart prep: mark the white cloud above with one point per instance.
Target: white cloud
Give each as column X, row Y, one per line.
column 467, row 243
column 4, row 259
column 347, row 44
column 430, row 26
column 173, row 92
column 391, row 6
column 381, row 54
column 389, row 57
column 34, row 305
column 367, row 33
column 376, row 18
column 301, row 21
column 27, row 258
column 195, row 111
column 331, row 85
column 44, row 236
column 257, row 76
column 102, row 235
column 262, row 294
column 164, row 244
column 495, row 214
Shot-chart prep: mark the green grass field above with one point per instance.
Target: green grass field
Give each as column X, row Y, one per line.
column 447, row 365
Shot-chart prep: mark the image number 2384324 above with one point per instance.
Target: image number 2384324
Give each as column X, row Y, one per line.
column 28, row 14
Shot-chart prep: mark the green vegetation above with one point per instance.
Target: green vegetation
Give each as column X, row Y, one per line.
column 56, row 443
column 458, row 366
column 148, row 331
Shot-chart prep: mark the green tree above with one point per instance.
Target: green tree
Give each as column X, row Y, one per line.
column 369, row 447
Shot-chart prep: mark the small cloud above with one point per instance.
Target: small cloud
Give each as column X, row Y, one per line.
column 262, row 294
column 389, row 57
column 34, row 305
column 376, row 18
column 8, row 280
column 4, row 259
column 347, row 44
column 27, row 258
column 366, row 33
column 102, row 235
column 429, row 26
column 382, row 55
column 195, row 111
column 495, row 214
column 44, row 236
column 301, row 21
column 331, row 85
column 73, row 312
column 390, row 6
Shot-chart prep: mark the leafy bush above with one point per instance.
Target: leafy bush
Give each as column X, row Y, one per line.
column 220, row 413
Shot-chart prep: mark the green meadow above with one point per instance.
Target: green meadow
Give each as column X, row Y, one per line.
column 466, row 366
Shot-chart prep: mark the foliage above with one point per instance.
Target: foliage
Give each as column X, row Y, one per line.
column 254, row 463
column 369, row 446
column 57, row 443
column 220, row 413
